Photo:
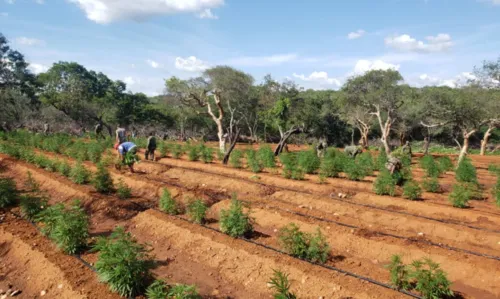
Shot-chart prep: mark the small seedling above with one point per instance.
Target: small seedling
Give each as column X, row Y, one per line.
column 197, row 210
column 157, row 290
column 168, row 204
column 64, row 168
column 253, row 162
column 79, row 174
column 281, row 285
column 430, row 280
column 102, row 181
column 207, row 154
column 234, row 221
column 399, row 273
column 193, row 153
column 122, row 190
column 31, row 206
column 177, row 151
column 411, row 190
column 235, row 158
column 312, row 247
column 31, row 184
column 431, row 185
column 460, row 196
column 8, row 192
column 183, row 291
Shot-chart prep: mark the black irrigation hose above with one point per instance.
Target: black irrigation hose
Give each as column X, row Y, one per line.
column 444, row 246
column 338, row 199
column 360, row 277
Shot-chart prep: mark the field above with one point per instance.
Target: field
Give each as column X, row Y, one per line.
column 364, row 230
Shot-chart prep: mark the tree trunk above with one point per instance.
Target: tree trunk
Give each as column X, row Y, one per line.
column 352, row 136
column 402, row 138
column 484, row 142
column 364, row 139
column 465, row 146
column 284, row 138
column 233, row 140
column 427, row 142
column 222, row 138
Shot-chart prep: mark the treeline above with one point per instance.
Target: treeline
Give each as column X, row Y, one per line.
column 225, row 104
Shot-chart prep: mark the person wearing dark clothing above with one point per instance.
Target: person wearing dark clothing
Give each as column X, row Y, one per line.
column 151, row 147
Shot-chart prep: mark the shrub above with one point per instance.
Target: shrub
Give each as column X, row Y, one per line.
column 327, row 167
column 430, row 166
column 123, row 263
column 50, row 165
column 49, row 217
column 162, row 149
column 122, row 190
column 290, row 168
column 27, row 155
column 280, row 284
column 64, row 168
column 312, row 247
column 431, row 185
column 40, row 161
column 385, row 184
column 235, row 158
column 430, row 280
column 102, row 181
column 460, row 196
column 197, row 211
column 234, row 221
column 79, row 174
column 94, row 152
column 354, row 171
column 412, row 190
column 31, row 206
column 31, row 184
column 496, row 191
column 157, row 290
column 252, row 161
column 493, row 168
column 168, row 204
column 183, row 291
column 207, row 154
column 445, row 163
column 8, row 192
column 266, row 156
column 466, row 172
column 365, row 161
column 193, row 153
column 381, row 159
column 177, row 151
column 308, row 161
column 220, row 155
column 399, row 273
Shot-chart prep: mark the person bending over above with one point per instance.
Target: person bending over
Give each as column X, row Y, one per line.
column 127, row 151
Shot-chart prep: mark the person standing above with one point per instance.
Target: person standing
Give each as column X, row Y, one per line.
column 98, row 130
column 151, row 147
column 121, row 135
column 46, row 128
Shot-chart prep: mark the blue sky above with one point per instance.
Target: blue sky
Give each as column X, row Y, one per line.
column 317, row 43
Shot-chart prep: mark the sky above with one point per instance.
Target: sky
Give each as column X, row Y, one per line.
column 317, row 43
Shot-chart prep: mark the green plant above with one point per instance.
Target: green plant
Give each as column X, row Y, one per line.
column 431, row 185
column 445, row 163
column 31, row 206
column 312, row 247
column 354, row 170
column 122, row 190
column 51, row 165
column 385, row 184
column 220, row 155
column 193, row 153
column 79, row 174
column 235, row 158
column 64, row 168
column 496, row 191
column 290, row 168
column 130, row 159
column 177, row 151
column 49, row 217
column 333, row 163
column 123, row 263
column 41, row 161
column 183, row 291
column 253, row 162
column 168, row 204
column 400, row 276
column 94, row 152
column 365, row 161
column 235, row 222
column 412, row 190
column 281, row 285
column 31, row 184
column 266, row 156
column 207, row 154
column 432, row 169
column 460, row 196
column 466, row 172
column 197, row 210
column 308, row 161
column 157, row 290
column 381, row 160
column 430, row 280
column 8, row 192
column 162, row 149
column 102, row 181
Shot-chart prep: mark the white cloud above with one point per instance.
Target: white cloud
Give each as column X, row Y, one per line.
column 153, row 63
column 319, row 77
column 405, row 42
column 26, row 41
column 356, row 34
column 363, row 66
column 253, row 61
column 4, row 14
column 190, row 64
column 207, row 14
column 130, row 80
column 10, row 1
column 107, row 11
column 459, row 80
column 494, row 2
column 38, row 68
column 40, row 1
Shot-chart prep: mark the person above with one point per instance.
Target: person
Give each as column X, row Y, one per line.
column 121, row 135
column 407, row 148
column 127, row 148
column 352, row 151
column 45, row 128
column 151, row 147
column 98, row 130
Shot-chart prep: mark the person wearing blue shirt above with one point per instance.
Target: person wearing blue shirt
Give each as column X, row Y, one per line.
column 127, row 148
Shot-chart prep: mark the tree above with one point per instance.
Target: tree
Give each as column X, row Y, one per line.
column 488, row 77
column 380, row 94
column 222, row 90
column 17, row 87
